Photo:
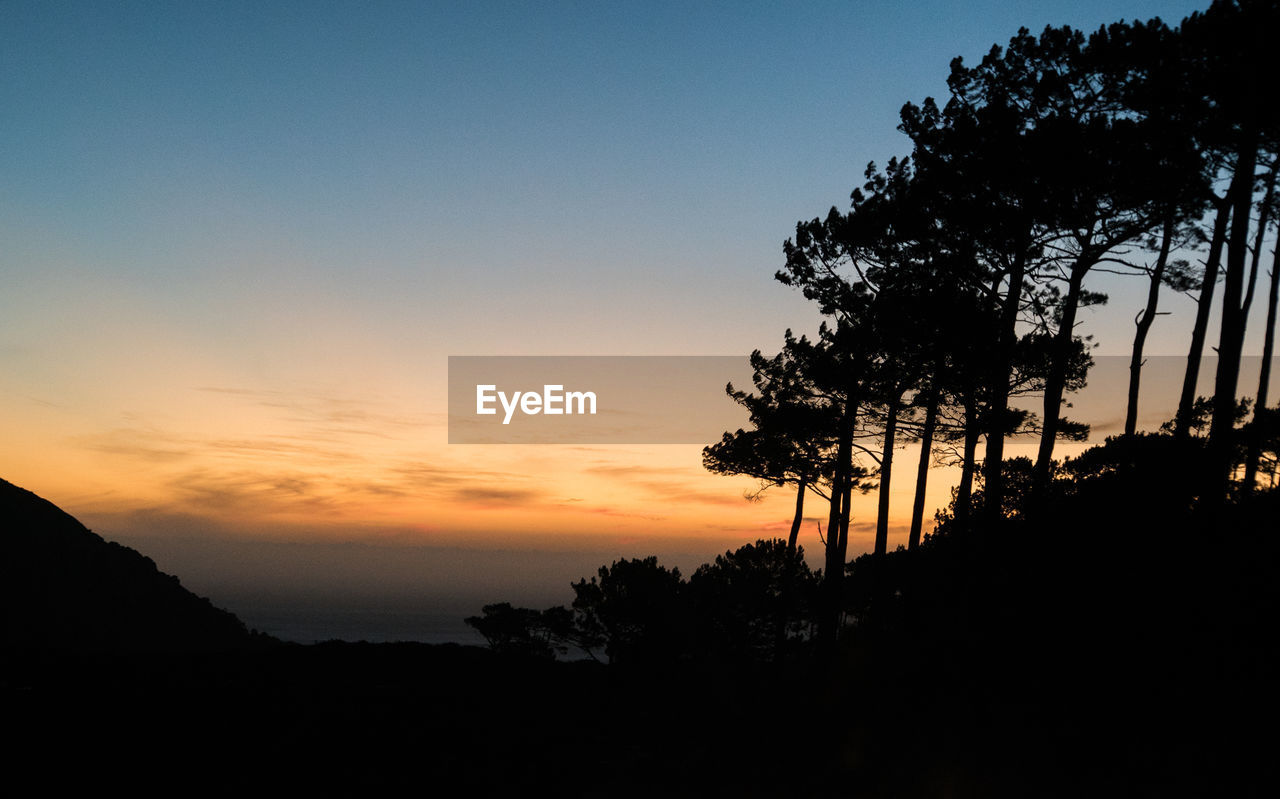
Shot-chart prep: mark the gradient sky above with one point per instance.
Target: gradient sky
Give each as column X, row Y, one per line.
column 241, row 239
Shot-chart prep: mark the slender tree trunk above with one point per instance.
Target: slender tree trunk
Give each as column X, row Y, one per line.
column 922, row 471
column 998, row 389
column 833, row 576
column 1187, row 401
column 842, row 542
column 1231, row 337
column 1258, row 434
column 886, row 475
column 1259, row 411
column 844, row 464
column 787, row 609
column 833, row 567
column 972, row 431
column 845, row 515
column 795, row 522
column 1056, row 383
column 1264, row 216
column 1144, row 325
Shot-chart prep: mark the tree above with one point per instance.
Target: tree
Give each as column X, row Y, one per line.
column 524, row 631
column 1068, row 171
column 1263, row 427
column 868, row 268
column 975, row 158
column 794, row 429
column 1162, row 272
column 830, row 261
column 636, row 608
column 750, row 604
column 1228, row 52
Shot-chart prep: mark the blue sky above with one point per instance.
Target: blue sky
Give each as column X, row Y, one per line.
column 436, row 160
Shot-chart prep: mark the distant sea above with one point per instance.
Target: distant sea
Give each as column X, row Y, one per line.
column 308, row 591
column 304, row 625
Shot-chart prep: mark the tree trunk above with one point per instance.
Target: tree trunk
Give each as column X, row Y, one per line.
column 886, row 475
column 1264, row 216
column 845, row 513
column 1055, row 384
column 1182, row 425
column 795, row 522
column 1258, row 434
column 832, row 578
column 998, row 388
column 972, row 431
column 1231, row 337
column 833, row 568
column 922, row 471
column 788, row 582
column 1144, row 325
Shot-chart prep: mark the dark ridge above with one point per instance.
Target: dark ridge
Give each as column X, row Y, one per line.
column 65, row 588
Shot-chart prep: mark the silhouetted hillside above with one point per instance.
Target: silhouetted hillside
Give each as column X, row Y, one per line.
column 65, row 588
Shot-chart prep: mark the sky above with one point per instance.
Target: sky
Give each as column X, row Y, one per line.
column 240, row 241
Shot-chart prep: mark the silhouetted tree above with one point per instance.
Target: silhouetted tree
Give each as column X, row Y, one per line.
column 1068, row 171
column 524, row 631
column 636, row 608
column 841, row 262
column 1228, row 48
column 794, row 429
column 1160, row 273
column 976, row 160
column 877, row 269
column 751, row 603
column 1263, row 425
column 1204, row 304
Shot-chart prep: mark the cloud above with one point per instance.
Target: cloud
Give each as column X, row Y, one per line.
column 278, row 445
column 627, row 471
column 333, row 414
column 486, row 496
column 423, row 476
column 673, row 492
column 241, row 490
column 148, row 445
column 601, row 510
column 156, row 521
column 1107, row 427
column 657, row 482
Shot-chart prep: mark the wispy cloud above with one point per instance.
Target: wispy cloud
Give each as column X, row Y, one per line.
column 146, row 445
column 327, row 411
column 603, row 510
column 657, row 483
column 486, row 496
column 257, row 492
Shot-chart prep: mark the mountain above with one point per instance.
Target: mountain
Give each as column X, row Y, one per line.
column 64, row 588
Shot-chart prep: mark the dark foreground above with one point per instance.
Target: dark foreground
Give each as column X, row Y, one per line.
column 360, row 717
column 1119, row 643
column 405, row 716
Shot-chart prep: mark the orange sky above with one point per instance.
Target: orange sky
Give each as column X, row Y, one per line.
column 279, row 465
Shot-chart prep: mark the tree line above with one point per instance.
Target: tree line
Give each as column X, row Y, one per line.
column 954, row 281
column 952, row 285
